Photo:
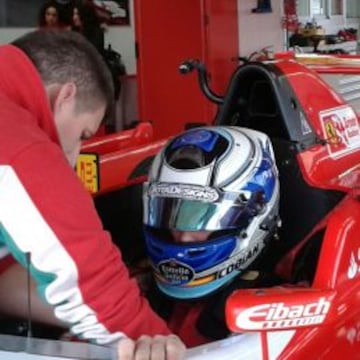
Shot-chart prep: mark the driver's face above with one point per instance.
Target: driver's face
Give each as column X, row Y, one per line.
column 190, row 236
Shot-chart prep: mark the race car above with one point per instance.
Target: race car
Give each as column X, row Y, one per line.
column 308, row 107
column 316, row 138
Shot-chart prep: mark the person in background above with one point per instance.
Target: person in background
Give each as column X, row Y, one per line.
column 86, row 21
column 211, row 210
column 49, row 16
column 55, row 92
column 65, row 12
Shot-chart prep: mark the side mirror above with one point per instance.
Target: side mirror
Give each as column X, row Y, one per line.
column 279, row 308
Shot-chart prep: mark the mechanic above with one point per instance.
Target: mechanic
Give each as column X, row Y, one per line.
column 211, row 208
column 55, row 90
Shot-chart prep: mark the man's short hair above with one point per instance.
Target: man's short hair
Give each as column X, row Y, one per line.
column 61, row 56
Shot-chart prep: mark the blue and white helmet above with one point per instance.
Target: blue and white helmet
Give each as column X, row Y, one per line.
column 218, row 179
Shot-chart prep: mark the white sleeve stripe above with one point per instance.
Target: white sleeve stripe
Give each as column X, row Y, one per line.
column 35, row 236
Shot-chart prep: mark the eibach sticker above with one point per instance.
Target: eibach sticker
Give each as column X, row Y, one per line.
column 341, row 131
column 281, row 316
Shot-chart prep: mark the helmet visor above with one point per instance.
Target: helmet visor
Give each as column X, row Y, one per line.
column 189, row 213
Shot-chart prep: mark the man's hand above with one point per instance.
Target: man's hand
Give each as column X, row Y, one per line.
column 158, row 347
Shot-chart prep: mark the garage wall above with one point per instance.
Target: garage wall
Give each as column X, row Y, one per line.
column 256, row 31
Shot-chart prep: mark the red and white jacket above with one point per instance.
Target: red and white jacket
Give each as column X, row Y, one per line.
column 46, row 212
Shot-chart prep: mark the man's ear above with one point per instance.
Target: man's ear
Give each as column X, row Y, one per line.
column 61, row 96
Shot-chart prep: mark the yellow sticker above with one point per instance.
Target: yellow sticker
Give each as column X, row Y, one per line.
column 87, row 168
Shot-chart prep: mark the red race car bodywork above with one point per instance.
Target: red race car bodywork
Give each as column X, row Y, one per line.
column 117, row 160
column 308, row 107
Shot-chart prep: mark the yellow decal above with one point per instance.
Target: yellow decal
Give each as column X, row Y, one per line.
column 331, row 133
column 87, row 168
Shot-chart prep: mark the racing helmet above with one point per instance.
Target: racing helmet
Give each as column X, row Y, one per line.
column 219, row 180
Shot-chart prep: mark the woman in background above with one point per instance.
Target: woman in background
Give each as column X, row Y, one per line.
column 49, row 16
column 56, row 14
column 86, row 21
